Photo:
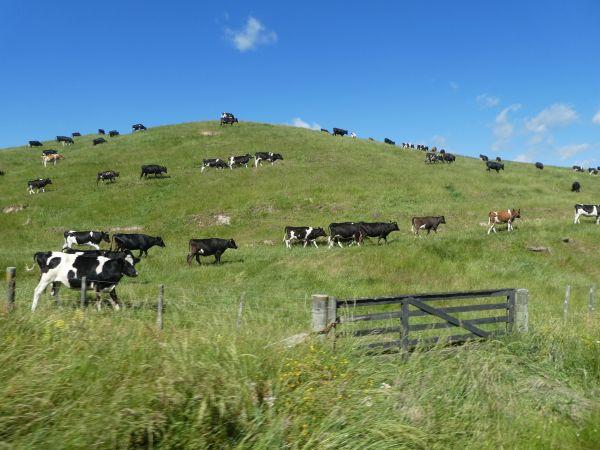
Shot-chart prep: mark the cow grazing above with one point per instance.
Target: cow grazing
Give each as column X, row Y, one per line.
column 578, row 169
column 575, row 187
column 49, row 152
column 153, row 169
column 483, row 158
column 113, row 133
column 102, row 274
column 52, row 157
column 344, row 232
column 448, row 157
column 539, row 165
column 379, row 230
column 587, row 210
column 259, row 157
column 208, row 247
column 324, row 130
column 65, row 140
column 389, row 141
column 353, row 135
column 76, row 134
column 426, row 223
column 507, row 216
column 498, row 159
column 39, row 185
column 34, row 144
column 339, row 132
column 101, row 131
column 98, row 141
column 138, row 127
column 107, row 175
column 135, row 241
column 308, row 235
column 235, row 161
column 592, row 171
column 91, row 238
column 493, row 165
column 228, row 119
column 213, row 162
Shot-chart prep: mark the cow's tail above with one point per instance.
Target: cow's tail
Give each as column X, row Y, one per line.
column 29, row 269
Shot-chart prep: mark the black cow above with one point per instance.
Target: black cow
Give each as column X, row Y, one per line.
column 153, row 169
column 575, row 187
column 1, row 173
column 109, row 175
column 138, row 127
column 259, row 157
column 305, row 234
column 228, row 119
column 39, row 184
column 135, row 241
column 76, row 134
column 99, row 141
column 239, row 160
column 592, row 171
column 49, row 152
column 498, row 159
column 493, row 165
column 578, row 168
column 339, row 132
column 34, row 144
column 324, row 130
column 65, row 140
column 113, row 133
column 101, row 131
column 389, row 141
column 102, row 274
column 483, row 157
column 208, row 247
column 91, row 238
column 344, row 232
column 380, row 230
column 426, row 223
column 449, row 158
column 213, row 162
column 539, row 165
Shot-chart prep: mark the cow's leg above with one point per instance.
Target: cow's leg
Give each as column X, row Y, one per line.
column 41, row 287
column 492, row 227
column 198, row 259
column 329, row 242
column 54, row 289
column 305, row 242
column 314, row 241
column 98, row 300
column 141, row 253
column 218, row 257
column 189, row 258
column 339, row 242
column 576, row 220
column 114, row 300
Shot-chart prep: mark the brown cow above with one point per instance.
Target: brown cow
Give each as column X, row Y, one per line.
column 426, row 223
column 507, row 216
column 53, row 157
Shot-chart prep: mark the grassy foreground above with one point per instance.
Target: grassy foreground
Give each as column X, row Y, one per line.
column 85, row 379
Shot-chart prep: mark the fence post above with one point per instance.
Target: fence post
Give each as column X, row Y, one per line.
column 82, row 294
column 521, row 311
column 332, row 316
column 319, row 312
column 240, row 311
column 159, row 307
column 11, row 274
column 405, row 324
column 566, row 304
column 591, row 300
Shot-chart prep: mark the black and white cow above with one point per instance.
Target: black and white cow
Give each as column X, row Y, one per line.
column 98, row 141
column 91, row 238
column 344, row 232
column 483, row 157
column 113, row 133
column 575, row 187
column 539, row 165
column 577, row 169
column 308, row 235
column 587, row 210
column 208, row 247
column 228, row 119
column 493, row 165
column 76, row 134
column 135, row 241
column 109, row 175
column 592, row 171
column 380, row 230
column 153, row 169
column 101, row 131
column 239, row 160
column 339, row 132
column 34, row 144
column 39, row 185
column 389, row 141
column 65, row 140
column 138, row 127
column 259, row 157
column 213, row 162
column 102, row 274
column 426, row 223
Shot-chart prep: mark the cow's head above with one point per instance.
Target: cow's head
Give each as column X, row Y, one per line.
column 231, row 244
column 127, row 268
column 104, row 236
column 164, row 169
column 277, row 156
column 316, row 232
column 116, row 174
column 442, row 219
column 394, row 226
column 48, row 181
column 516, row 213
column 158, row 241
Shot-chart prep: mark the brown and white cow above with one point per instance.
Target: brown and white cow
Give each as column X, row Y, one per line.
column 53, row 158
column 507, row 216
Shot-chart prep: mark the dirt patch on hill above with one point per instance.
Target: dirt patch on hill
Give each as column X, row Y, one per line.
column 209, row 133
column 210, row 220
column 13, row 208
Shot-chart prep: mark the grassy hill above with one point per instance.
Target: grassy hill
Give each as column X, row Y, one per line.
column 75, row 380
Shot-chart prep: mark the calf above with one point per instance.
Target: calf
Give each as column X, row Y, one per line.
column 52, row 157
column 98, row 141
column 76, row 134
column 138, row 127
column 91, row 238
column 135, row 241
column 539, row 165
column 65, row 140
column 109, row 175
column 39, row 184
column 305, row 234
column 239, row 160
column 101, row 131
column 102, row 274
column 507, row 216
column 575, row 187
column 587, row 210
column 483, row 158
column 113, row 133
column 344, row 232
column 339, row 132
column 426, row 223
column 153, row 169
column 208, row 247
column 34, row 144
column 380, row 230
column 389, row 141
column 213, row 162
column 259, row 157
column 493, row 165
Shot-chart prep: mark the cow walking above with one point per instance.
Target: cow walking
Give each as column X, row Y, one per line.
column 379, row 230
column 426, row 223
column 587, row 210
column 209, row 247
column 135, row 241
column 507, row 216
column 91, row 238
column 304, row 234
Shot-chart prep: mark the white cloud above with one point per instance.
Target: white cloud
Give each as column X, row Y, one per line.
column 523, row 158
column 438, row 141
column 487, row 101
column 503, row 128
column 568, row 151
column 555, row 115
column 596, row 118
column 298, row 122
column 454, row 86
column 251, row 36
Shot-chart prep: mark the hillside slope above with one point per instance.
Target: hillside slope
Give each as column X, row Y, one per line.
column 322, row 179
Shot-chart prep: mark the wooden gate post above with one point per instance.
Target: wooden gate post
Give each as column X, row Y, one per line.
column 566, row 304
column 591, row 300
column 521, row 311
column 11, row 274
column 320, row 308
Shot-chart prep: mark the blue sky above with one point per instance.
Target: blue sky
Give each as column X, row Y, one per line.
column 510, row 78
